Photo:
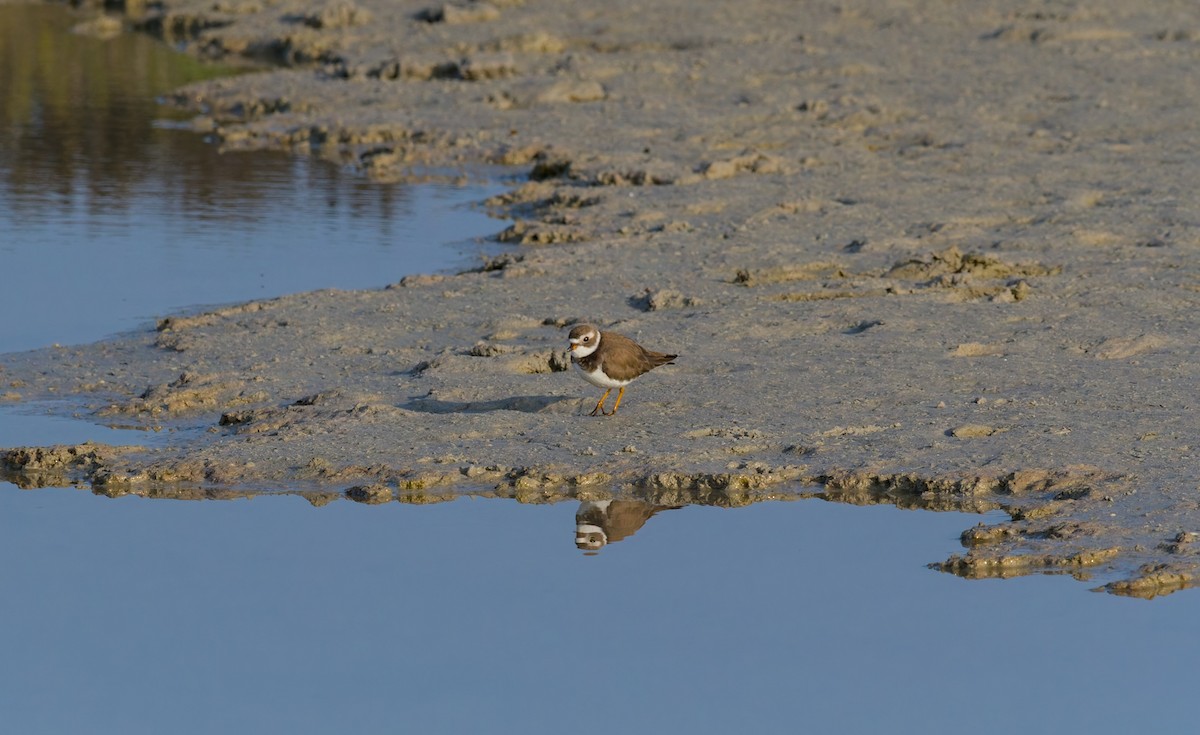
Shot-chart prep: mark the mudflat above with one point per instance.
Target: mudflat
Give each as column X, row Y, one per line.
column 921, row 253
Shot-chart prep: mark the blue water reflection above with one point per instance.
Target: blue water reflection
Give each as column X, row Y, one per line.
column 37, row 424
column 84, row 278
column 270, row 615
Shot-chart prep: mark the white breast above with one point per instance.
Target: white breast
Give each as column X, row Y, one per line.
column 601, row 380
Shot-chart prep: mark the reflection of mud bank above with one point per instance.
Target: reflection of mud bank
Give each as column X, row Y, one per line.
column 1040, row 537
column 912, row 257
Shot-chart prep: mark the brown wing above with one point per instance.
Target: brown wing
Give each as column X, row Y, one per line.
column 625, row 359
column 625, row 517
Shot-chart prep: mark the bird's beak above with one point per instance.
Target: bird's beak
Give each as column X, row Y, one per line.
column 570, row 347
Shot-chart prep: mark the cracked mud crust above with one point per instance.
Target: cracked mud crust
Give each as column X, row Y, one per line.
column 908, row 253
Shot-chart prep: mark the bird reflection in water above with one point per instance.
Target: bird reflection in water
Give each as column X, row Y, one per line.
column 602, row 522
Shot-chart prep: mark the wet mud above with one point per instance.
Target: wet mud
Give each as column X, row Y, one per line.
column 908, row 253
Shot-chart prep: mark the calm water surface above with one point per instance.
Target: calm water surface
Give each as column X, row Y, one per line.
column 475, row 616
column 112, row 213
column 270, row 615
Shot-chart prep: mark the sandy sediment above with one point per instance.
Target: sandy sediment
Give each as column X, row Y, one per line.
column 908, row 253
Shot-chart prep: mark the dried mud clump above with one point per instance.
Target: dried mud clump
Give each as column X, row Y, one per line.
column 181, row 333
column 968, row 277
column 1123, row 348
column 952, row 261
column 1028, row 529
column 975, row 494
column 755, row 163
column 658, row 299
column 785, row 273
column 173, row 476
column 190, row 393
column 549, row 483
column 1025, row 493
column 1182, row 543
column 56, row 466
column 541, row 233
column 55, row 458
column 338, row 14
column 725, row 489
column 1154, row 580
column 458, row 13
column 985, row 565
column 373, row 494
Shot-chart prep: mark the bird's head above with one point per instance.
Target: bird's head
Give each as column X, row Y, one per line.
column 584, row 340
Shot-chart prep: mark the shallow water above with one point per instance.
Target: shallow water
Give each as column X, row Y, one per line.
column 112, row 213
column 480, row 615
column 270, row 615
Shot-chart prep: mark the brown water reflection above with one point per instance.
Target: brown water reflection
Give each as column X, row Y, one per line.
column 117, row 212
column 80, row 126
column 79, row 116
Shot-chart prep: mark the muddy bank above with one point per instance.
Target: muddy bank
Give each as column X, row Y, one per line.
column 903, row 250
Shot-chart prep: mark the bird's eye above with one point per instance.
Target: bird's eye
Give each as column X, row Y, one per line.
column 587, row 339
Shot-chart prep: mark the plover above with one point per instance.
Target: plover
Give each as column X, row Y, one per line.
column 610, row 360
column 600, row 522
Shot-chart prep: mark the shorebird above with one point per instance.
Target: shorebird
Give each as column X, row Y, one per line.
column 601, row 522
column 610, row 360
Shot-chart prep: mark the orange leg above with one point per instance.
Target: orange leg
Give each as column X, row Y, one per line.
column 618, row 403
column 600, row 406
